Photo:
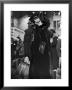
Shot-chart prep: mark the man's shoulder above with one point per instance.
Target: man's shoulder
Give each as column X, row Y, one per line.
column 28, row 31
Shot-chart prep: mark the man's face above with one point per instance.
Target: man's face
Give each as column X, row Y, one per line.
column 38, row 21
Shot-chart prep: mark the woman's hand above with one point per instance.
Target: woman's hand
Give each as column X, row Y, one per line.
column 51, row 40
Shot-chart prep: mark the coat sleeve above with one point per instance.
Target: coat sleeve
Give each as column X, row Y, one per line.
column 27, row 43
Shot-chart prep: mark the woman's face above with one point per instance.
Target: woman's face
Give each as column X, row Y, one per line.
column 38, row 22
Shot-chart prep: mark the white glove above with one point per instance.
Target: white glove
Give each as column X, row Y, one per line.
column 26, row 59
column 51, row 40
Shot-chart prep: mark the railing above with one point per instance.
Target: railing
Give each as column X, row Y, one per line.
column 16, row 32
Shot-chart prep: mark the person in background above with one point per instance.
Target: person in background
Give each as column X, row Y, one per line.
column 54, row 60
column 23, row 68
column 58, row 47
column 28, row 37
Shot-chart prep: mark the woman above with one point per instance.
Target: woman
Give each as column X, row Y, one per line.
column 39, row 65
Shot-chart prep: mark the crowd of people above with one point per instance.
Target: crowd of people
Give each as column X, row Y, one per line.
column 39, row 56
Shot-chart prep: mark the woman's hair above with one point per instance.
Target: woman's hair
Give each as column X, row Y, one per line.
column 44, row 19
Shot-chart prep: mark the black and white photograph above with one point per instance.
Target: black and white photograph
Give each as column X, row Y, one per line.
column 35, row 44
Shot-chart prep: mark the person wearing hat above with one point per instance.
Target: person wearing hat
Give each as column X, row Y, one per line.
column 39, row 64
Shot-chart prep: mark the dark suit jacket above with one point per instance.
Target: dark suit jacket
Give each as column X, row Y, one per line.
column 27, row 42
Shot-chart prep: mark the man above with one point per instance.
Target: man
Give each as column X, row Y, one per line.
column 27, row 41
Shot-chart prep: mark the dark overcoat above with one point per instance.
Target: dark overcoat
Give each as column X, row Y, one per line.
column 39, row 67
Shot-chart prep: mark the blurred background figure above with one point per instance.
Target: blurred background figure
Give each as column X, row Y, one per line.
column 23, row 68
